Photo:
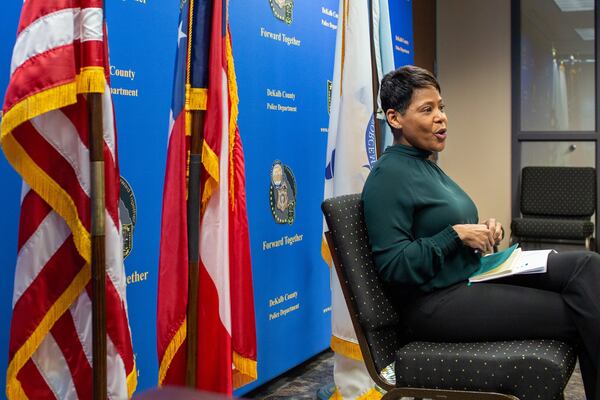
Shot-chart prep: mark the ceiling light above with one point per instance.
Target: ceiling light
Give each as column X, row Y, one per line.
column 586, row 33
column 575, row 5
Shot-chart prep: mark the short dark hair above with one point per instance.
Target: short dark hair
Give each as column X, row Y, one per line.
column 397, row 87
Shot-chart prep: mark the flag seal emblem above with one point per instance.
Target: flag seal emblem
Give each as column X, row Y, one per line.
column 282, row 193
column 370, row 143
column 127, row 215
column 282, row 10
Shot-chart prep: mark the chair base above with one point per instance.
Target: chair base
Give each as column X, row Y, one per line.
column 436, row 394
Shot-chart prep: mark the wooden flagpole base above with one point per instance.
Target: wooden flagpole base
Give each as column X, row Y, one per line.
column 98, row 247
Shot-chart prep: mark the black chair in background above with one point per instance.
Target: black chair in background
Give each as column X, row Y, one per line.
column 556, row 206
column 528, row 369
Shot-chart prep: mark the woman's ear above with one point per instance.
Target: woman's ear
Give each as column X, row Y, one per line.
column 394, row 118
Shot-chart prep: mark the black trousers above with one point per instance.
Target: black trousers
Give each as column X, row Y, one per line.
column 563, row 303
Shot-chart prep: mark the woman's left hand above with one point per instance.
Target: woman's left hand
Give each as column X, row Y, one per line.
column 496, row 228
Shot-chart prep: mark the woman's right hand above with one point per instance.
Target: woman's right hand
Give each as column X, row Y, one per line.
column 476, row 236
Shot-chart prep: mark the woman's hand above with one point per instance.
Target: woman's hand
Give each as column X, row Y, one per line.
column 476, row 236
column 496, row 228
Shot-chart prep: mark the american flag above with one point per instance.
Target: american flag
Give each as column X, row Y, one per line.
column 60, row 55
column 226, row 325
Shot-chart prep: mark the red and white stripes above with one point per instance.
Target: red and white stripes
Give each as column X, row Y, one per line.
column 54, row 42
column 59, row 56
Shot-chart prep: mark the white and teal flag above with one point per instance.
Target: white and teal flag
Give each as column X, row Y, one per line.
column 351, row 152
column 384, row 55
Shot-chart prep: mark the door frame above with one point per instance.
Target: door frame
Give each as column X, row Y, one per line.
column 519, row 136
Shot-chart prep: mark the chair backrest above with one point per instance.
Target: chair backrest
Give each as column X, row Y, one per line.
column 375, row 320
column 562, row 192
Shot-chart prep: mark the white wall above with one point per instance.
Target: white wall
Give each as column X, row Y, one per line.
column 473, row 56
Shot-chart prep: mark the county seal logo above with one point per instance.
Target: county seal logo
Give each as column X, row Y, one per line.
column 127, row 215
column 282, row 193
column 282, row 10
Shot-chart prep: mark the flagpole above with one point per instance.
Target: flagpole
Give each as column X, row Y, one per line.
column 375, row 81
column 98, row 247
column 193, row 223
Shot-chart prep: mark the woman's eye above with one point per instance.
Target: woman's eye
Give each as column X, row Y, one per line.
column 426, row 109
column 443, row 108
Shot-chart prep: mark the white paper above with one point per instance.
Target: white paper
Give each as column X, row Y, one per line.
column 532, row 262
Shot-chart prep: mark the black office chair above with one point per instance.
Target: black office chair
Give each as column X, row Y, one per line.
column 556, row 205
column 528, row 369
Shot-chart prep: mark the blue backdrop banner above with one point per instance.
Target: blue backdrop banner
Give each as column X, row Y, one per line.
column 284, row 62
column 402, row 31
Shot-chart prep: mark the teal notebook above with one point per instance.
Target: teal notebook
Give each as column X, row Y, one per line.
column 494, row 260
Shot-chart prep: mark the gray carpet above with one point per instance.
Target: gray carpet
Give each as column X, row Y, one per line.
column 316, row 374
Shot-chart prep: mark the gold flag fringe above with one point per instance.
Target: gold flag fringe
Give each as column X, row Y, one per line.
column 132, row 381
column 211, row 164
column 171, row 350
column 50, row 191
column 245, row 370
column 38, row 104
column 372, row 394
column 326, row 253
column 195, row 98
column 233, row 115
column 346, row 348
column 14, row 390
column 90, row 80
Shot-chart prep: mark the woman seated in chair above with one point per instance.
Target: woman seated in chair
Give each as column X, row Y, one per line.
column 427, row 239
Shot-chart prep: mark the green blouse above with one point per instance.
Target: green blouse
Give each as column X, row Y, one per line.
column 410, row 205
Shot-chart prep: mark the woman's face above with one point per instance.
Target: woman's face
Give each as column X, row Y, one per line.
column 423, row 124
